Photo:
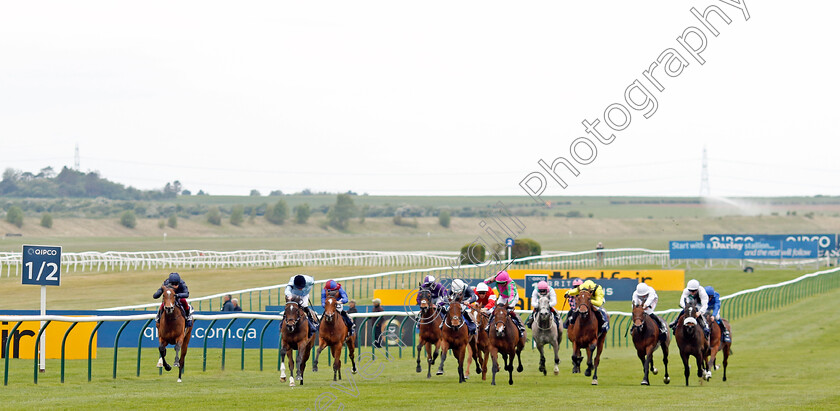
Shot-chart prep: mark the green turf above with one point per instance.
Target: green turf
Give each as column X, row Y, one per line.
column 783, row 359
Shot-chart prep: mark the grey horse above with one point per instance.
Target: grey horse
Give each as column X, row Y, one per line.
column 545, row 331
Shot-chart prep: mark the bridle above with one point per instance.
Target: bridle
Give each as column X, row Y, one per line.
column 449, row 316
column 544, row 311
column 291, row 325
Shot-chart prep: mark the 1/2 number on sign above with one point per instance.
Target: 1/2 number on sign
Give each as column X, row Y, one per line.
column 50, row 277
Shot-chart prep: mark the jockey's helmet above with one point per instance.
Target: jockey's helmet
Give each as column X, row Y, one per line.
column 642, row 289
column 458, row 286
column 693, row 285
column 576, row 282
column 331, row 285
column 503, row 277
column 299, row 282
column 710, row 290
column 429, row 280
column 542, row 287
column 174, row 278
column 482, row 288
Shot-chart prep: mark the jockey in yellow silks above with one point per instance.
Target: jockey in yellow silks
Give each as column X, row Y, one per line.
column 597, row 293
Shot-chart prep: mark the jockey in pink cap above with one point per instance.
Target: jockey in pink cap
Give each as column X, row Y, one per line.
column 508, row 297
column 543, row 290
column 571, row 300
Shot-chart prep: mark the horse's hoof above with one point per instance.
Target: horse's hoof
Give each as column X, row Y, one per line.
column 645, row 382
column 179, row 380
column 588, row 372
column 439, row 372
column 282, row 379
column 419, row 369
column 667, row 380
column 428, row 376
column 510, row 382
column 556, row 371
column 519, row 369
column 594, row 382
column 717, row 366
column 160, row 363
column 167, row 367
column 314, row 369
column 493, row 383
column 353, row 371
column 655, row 371
column 176, row 365
column 291, row 382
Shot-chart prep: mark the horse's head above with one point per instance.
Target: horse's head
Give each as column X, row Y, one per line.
column 638, row 317
column 690, row 319
column 500, row 315
column 455, row 314
column 169, row 298
column 583, row 303
column 425, row 297
column 292, row 314
column 330, row 309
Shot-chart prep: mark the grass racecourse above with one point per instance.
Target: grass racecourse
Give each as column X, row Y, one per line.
column 782, row 359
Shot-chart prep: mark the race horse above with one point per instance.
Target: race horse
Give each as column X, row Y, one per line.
column 295, row 330
column 716, row 345
column 692, row 342
column 482, row 343
column 172, row 330
column 647, row 337
column 456, row 337
column 428, row 323
column 584, row 334
column 333, row 332
column 545, row 331
column 505, row 339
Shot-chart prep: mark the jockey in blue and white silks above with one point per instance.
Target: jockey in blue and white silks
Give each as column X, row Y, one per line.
column 694, row 292
column 299, row 286
column 714, row 307
column 461, row 292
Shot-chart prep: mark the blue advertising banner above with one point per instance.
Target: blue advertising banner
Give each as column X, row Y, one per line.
column 827, row 242
column 754, row 249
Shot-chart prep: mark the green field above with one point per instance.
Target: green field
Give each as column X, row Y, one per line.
column 783, row 359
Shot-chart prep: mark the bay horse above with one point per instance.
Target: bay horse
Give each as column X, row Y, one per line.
column 456, row 337
column 504, row 339
column 333, row 332
column 584, row 334
column 692, row 341
column 716, row 344
column 482, row 343
column 545, row 331
column 646, row 338
column 172, row 330
column 295, row 336
column 429, row 332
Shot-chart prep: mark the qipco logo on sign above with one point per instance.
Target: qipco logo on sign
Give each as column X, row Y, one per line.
column 41, row 265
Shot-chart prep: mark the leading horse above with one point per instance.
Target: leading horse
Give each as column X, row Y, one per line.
column 172, row 330
column 544, row 331
column 295, row 330
column 692, row 341
column 646, row 338
column 504, row 339
column 333, row 332
column 429, row 334
column 584, row 334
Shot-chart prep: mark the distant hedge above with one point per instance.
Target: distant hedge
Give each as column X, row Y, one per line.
column 522, row 247
column 472, row 254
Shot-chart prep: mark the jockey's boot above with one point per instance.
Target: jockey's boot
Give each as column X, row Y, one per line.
column 313, row 324
column 706, row 330
column 347, row 321
column 518, row 323
column 662, row 329
column 570, row 318
column 673, row 324
column 530, row 320
column 442, row 310
column 724, row 333
column 489, row 322
column 157, row 317
column 470, row 324
column 189, row 318
column 604, row 320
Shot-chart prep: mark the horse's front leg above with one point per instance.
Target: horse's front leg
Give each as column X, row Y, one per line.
column 542, row 358
column 494, row 354
column 162, row 360
column 177, row 362
column 444, row 349
column 556, row 346
column 588, row 371
column 321, row 345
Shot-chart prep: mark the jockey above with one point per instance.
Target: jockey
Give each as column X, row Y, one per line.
column 333, row 287
column 485, row 298
column 181, row 294
column 693, row 291
column 597, row 300
column 646, row 296
column 543, row 290
column 508, row 297
column 299, row 286
column 714, row 306
column 461, row 292
column 437, row 289
column 571, row 300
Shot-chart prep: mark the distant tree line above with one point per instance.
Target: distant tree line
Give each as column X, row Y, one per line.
column 69, row 183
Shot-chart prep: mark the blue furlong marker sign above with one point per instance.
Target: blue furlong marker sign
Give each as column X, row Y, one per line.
column 687, row 250
column 827, row 242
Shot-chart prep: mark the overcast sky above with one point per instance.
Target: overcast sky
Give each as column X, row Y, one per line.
column 418, row 98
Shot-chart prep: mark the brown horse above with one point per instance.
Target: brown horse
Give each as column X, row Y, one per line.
column 333, row 332
column 481, row 352
column 692, row 341
column 429, row 327
column 716, row 344
column 295, row 330
column 646, row 338
column 172, row 330
column 504, row 339
column 584, row 333
column 456, row 337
